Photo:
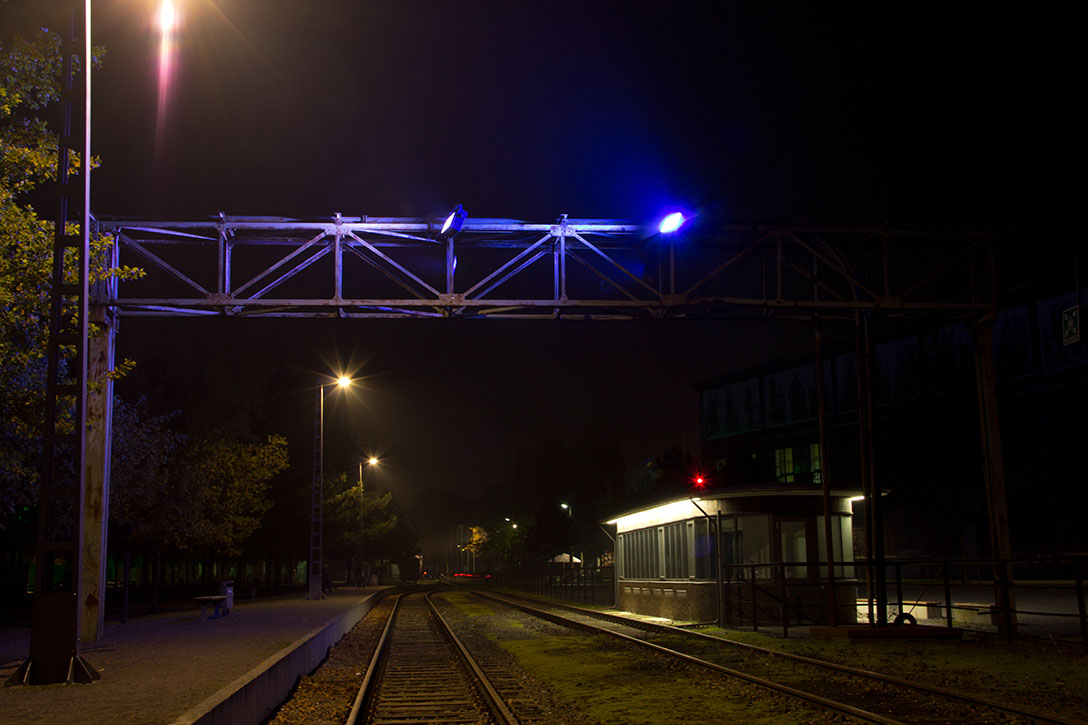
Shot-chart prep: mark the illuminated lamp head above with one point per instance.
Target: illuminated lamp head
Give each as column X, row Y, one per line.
column 672, row 222
column 343, row 381
column 167, row 17
column 453, row 222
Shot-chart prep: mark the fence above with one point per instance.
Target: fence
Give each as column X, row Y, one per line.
column 1029, row 595
column 578, row 584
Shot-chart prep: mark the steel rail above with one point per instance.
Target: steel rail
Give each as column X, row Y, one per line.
column 495, row 701
column 1036, row 715
column 478, row 680
column 824, row 702
column 368, row 678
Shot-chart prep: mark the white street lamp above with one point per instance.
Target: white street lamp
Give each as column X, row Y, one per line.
column 372, row 461
column 316, row 590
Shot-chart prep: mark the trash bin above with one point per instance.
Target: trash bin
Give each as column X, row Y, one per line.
column 226, row 589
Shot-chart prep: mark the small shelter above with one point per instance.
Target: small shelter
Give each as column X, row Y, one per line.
column 564, row 559
column 741, row 556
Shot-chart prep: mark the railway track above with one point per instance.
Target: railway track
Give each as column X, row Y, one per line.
column 856, row 693
column 422, row 672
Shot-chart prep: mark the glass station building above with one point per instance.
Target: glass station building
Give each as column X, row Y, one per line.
column 749, row 554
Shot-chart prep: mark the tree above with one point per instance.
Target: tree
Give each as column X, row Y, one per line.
column 206, row 495
column 28, row 73
column 227, row 483
column 29, row 81
column 146, row 510
column 345, row 508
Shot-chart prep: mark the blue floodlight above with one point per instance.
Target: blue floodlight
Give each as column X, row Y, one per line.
column 672, row 222
column 454, row 222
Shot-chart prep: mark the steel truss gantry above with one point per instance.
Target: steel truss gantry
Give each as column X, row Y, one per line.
column 367, row 267
column 598, row 269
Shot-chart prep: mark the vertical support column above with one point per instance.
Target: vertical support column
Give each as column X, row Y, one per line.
column 672, row 264
column 338, row 261
column 874, row 487
column 101, row 349
column 993, row 471
column 316, row 499
column 715, row 523
column 563, row 264
column 54, row 639
column 557, row 255
column 451, row 265
column 222, row 279
column 874, row 520
column 825, row 477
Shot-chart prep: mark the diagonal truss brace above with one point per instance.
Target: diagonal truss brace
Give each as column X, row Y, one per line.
column 403, row 267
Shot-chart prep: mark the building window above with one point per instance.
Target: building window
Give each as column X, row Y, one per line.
column 783, row 465
column 746, row 541
column 672, row 551
column 676, row 550
column 815, row 464
column 842, row 545
column 702, row 549
column 794, row 551
column 639, row 557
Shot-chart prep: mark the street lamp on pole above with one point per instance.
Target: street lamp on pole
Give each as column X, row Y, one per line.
column 372, row 461
column 570, row 515
column 316, row 494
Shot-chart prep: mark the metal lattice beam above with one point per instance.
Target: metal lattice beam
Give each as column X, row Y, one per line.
column 578, row 269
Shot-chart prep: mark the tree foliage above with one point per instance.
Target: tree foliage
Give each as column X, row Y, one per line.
column 30, row 71
column 228, row 483
column 207, row 495
column 146, row 504
column 355, row 519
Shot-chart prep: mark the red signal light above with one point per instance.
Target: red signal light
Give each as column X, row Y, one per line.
column 699, row 482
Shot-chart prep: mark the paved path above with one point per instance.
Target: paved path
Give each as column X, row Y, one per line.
column 157, row 669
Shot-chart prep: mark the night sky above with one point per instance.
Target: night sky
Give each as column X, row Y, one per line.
column 745, row 112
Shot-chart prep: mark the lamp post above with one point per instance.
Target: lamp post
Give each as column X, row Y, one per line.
column 570, row 514
column 372, row 461
column 316, row 494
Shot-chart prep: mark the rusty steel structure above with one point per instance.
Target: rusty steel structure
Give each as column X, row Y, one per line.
column 369, row 267
column 71, row 513
column 364, row 267
column 596, row 269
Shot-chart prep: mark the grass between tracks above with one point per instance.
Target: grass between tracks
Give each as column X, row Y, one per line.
column 611, row 683
column 1039, row 674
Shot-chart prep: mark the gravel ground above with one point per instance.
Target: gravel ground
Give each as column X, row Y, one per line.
column 156, row 669
column 328, row 694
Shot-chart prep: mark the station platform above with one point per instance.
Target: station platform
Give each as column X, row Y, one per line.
column 178, row 668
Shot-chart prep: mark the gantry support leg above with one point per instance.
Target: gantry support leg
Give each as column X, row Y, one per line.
column 993, row 469
column 100, row 361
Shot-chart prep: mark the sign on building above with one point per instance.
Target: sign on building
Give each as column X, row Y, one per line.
column 1071, row 325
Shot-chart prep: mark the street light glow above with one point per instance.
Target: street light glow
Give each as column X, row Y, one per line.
column 373, row 461
column 343, row 382
column 167, row 21
column 167, row 17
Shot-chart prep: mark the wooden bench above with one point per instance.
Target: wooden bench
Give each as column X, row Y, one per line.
column 218, row 600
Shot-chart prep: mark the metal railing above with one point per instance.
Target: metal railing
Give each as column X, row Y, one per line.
column 579, row 584
column 1036, row 595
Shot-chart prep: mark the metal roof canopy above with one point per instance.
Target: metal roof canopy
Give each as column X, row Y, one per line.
column 381, row 267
